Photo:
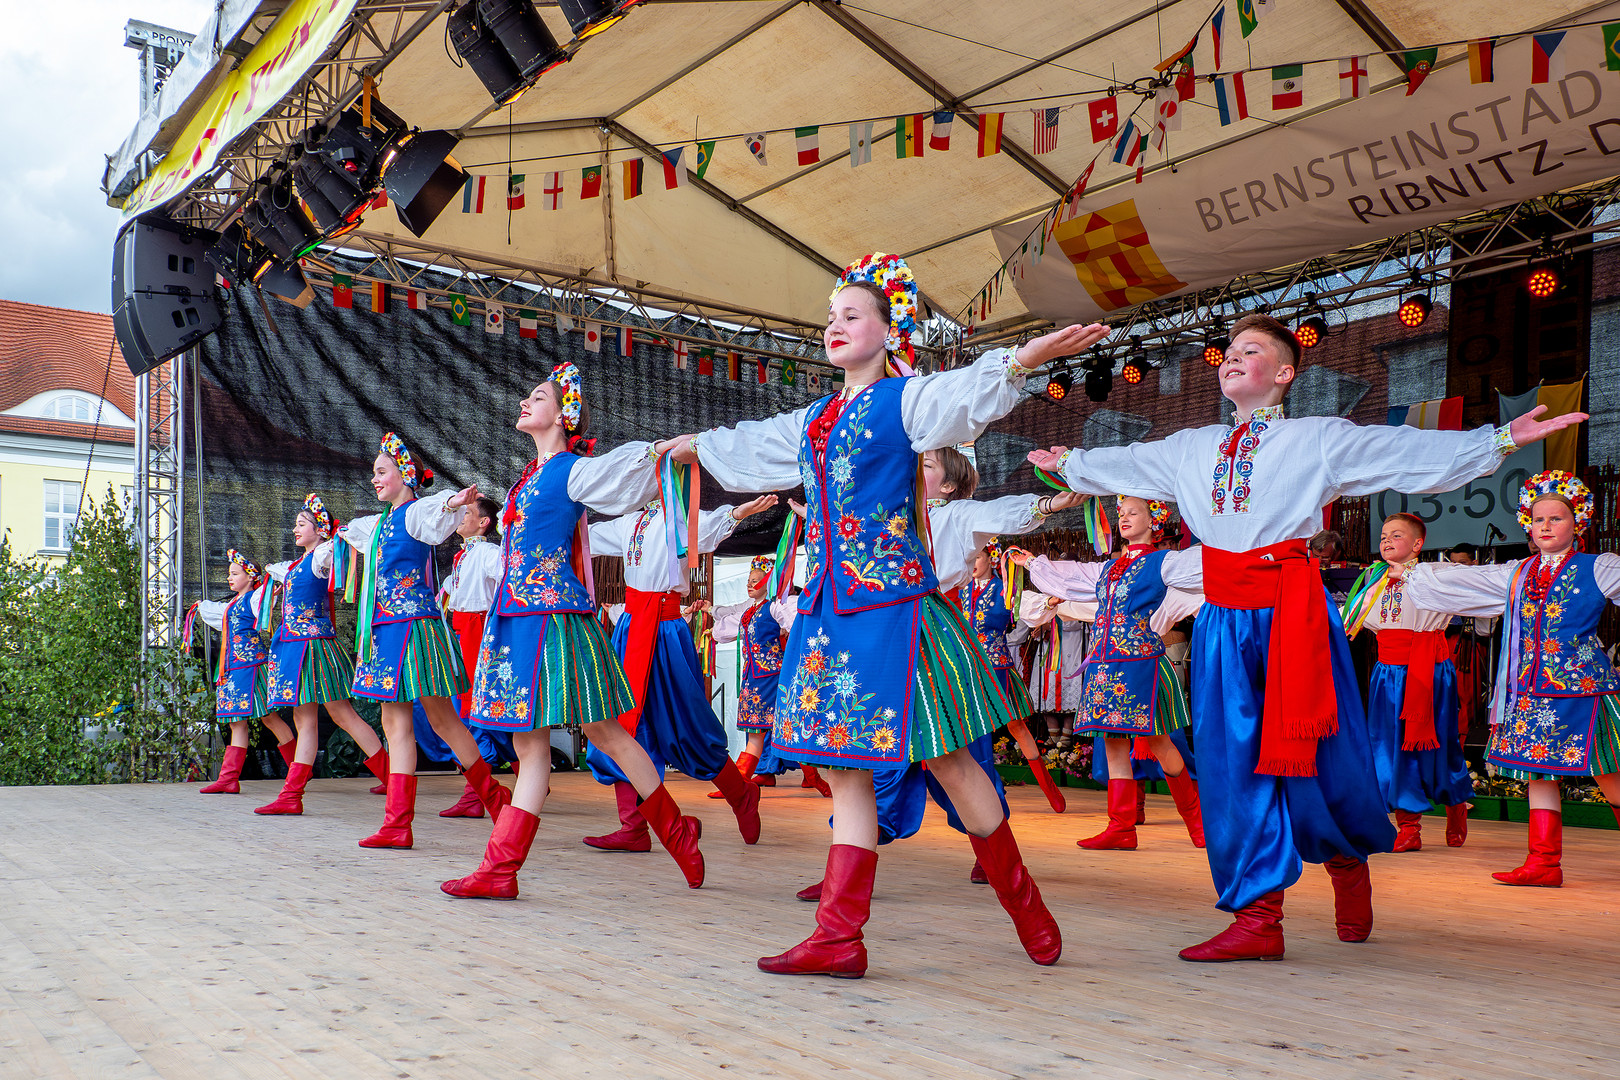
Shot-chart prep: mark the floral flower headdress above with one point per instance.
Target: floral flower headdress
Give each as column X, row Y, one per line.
column 891, row 274
column 566, row 375
column 766, row 563
column 992, row 549
column 325, row 523
column 1556, row 483
column 246, row 565
column 395, row 447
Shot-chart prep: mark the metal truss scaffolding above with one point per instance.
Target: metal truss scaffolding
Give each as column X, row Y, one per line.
column 160, row 451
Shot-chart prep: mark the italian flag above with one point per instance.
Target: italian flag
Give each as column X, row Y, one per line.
column 528, row 323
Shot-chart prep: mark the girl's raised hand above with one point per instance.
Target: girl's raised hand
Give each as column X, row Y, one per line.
column 680, row 448
column 465, row 497
column 1065, row 342
column 1047, row 459
column 1065, row 500
column 1018, row 555
column 754, row 506
column 796, row 507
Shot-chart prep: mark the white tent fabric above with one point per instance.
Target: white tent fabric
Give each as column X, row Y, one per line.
column 769, row 238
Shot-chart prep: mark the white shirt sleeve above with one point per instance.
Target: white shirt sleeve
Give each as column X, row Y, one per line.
column 755, row 455
column 1184, row 570
column 278, row 571
column 1177, row 605
column 1366, row 460
column 621, row 480
column 1145, row 470
column 715, row 527
column 1033, row 610
column 472, row 584
column 321, row 557
column 1460, row 590
column 357, row 532
column 1607, row 572
column 784, row 611
column 728, row 621
column 429, row 520
column 956, row 406
column 612, row 537
column 212, row 612
column 1070, row 580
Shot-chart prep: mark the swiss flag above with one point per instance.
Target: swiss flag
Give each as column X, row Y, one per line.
column 1104, row 118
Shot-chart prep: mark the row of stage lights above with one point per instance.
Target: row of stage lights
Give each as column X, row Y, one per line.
column 1541, row 283
column 322, row 186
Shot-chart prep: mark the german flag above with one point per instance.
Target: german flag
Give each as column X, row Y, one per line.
column 379, row 297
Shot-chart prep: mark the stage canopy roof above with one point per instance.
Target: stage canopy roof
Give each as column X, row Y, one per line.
column 762, row 240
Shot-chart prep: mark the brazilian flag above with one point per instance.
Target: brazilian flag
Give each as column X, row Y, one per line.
column 458, row 310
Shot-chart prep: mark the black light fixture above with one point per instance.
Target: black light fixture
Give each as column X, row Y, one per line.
column 1542, row 282
column 1059, row 382
column 285, row 281
column 342, row 166
column 506, row 43
column 1413, row 310
column 1135, row 369
column 1099, row 378
column 237, row 256
column 278, row 220
column 587, row 17
column 422, row 177
column 1311, row 332
column 1215, row 350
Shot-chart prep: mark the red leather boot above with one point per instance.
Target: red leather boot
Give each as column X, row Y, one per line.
column 378, row 765
column 810, row 893
column 836, row 947
column 760, row 780
column 1255, row 934
column 1409, row 832
column 469, row 805
column 813, row 779
column 1352, row 897
column 496, row 876
column 744, row 800
column 397, row 815
column 632, row 834
column 230, row 769
column 291, row 799
column 746, row 763
column 1184, row 789
column 288, row 749
column 1457, row 825
column 1141, row 803
column 977, row 874
column 678, row 834
column 1121, row 832
column 1544, row 866
column 491, row 792
column 1004, row 866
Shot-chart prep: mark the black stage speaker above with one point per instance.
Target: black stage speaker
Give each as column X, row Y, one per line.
column 163, row 294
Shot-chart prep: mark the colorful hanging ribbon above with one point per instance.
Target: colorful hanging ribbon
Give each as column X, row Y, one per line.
column 267, row 604
column 787, row 553
column 679, row 493
column 1364, row 596
column 187, row 627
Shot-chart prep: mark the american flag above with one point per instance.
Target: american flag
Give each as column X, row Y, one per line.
column 1046, row 130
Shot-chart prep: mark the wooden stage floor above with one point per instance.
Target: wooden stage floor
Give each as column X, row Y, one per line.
column 152, row 932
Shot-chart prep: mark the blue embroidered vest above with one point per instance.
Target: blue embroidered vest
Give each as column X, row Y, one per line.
column 405, row 588
column 243, row 648
column 1124, row 610
column 762, row 642
column 306, row 605
column 861, row 536
column 1560, row 654
column 539, row 577
column 985, row 607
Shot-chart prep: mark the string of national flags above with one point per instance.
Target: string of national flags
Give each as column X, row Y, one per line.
column 735, row 365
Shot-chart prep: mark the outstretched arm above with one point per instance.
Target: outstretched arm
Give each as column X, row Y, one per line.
column 755, row 455
column 621, row 480
column 1365, row 460
column 1070, row 580
column 1145, row 470
column 432, row 520
column 1459, row 590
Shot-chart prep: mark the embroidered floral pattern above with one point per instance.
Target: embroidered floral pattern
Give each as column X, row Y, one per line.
column 1121, row 633
column 497, row 692
column 762, row 640
column 753, row 711
column 1107, row 702
column 243, row 634
column 1534, row 734
column 824, row 705
column 376, row 674
column 1236, row 463
column 638, row 537
column 988, row 617
column 1553, row 658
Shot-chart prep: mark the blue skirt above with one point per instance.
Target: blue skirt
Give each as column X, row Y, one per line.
column 1260, row 828
column 244, row 694
column 1411, row 780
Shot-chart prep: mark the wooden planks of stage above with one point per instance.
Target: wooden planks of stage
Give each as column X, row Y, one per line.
column 150, row 931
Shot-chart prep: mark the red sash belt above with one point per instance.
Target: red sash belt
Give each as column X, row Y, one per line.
column 1420, row 651
column 645, row 610
column 1301, row 706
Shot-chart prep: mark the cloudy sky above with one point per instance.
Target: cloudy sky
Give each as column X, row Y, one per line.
column 72, row 94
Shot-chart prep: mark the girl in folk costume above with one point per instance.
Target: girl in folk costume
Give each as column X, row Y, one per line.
column 1284, row 761
column 761, row 630
column 241, row 691
column 308, row 668
column 1412, row 694
column 544, row 660
column 1131, row 695
column 672, row 718
column 405, row 651
column 1556, row 710
column 880, row 670
column 466, row 595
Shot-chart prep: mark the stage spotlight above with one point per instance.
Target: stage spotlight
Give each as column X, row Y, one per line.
column 422, row 177
column 1099, row 379
column 1135, row 370
column 339, row 171
column 506, row 43
column 588, row 17
column 1059, row 382
column 237, row 257
column 1413, row 310
column 1542, row 282
column 1215, row 351
column 1311, row 332
column 279, row 221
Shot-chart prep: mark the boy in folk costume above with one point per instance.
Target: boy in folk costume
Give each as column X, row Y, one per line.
column 1412, row 694
column 672, row 717
column 308, row 668
column 405, row 652
column 1131, row 695
column 761, row 630
column 1285, row 766
column 545, row 661
column 880, row 670
column 1556, row 709
column 242, row 691
column 466, row 596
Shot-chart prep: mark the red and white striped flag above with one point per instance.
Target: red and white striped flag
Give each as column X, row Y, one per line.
column 1046, row 130
column 415, row 301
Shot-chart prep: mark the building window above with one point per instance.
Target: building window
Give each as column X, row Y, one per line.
column 61, row 513
column 69, row 407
